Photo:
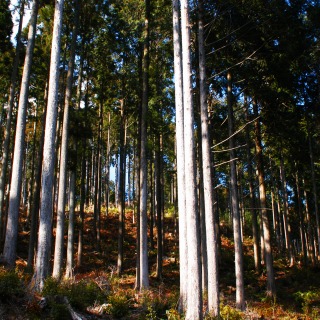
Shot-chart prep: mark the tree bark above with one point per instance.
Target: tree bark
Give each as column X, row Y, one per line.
column 10, row 246
column 45, row 226
column 240, row 300
column 7, row 132
column 183, row 247
column 144, row 273
column 194, row 287
column 271, row 287
column 59, row 243
column 211, row 236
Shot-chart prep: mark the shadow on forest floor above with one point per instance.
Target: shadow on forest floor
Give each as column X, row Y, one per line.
column 97, row 292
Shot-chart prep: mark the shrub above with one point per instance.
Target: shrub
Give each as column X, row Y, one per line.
column 119, row 305
column 10, row 285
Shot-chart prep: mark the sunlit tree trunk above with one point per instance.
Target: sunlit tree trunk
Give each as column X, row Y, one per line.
column 36, row 194
column 144, row 273
column 240, row 301
column 121, row 194
column 271, row 287
column 59, row 242
column 211, row 237
column 287, row 227
column 183, row 247
column 254, row 215
column 10, row 245
column 45, row 226
column 194, row 287
column 159, row 188
column 70, row 243
column 7, row 132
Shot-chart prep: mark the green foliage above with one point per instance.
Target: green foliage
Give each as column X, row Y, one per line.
column 119, row 305
column 308, row 299
column 229, row 313
column 80, row 295
column 10, row 285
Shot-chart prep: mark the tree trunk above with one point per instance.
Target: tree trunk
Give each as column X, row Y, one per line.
column 45, row 227
column 194, row 288
column 159, row 188
column 240, row 301
column 7, row 132
column 183, row 247
column 254, row 215
column 314, row 191
column 36, row 195
column 301, row 218
column 70, row 243
column 271, row 288
column 286, row 222
column 211, row 236
column 144, row 273
column 10, row 246
column 59, row 243
column 310, row 236
column 122, row 178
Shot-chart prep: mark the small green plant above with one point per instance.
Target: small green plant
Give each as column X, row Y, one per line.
column 173, row 314
column 83, row 294
column 307, row 299
column 152, row 314
column 229, row 313
column 10, row 285
column 119, row 305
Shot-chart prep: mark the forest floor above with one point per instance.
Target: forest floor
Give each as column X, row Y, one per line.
column 97, row 292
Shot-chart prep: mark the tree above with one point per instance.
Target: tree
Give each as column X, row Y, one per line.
column 240, row 301
column 59, row 244
column 7, row 133
column 144, row 273
column 271, row 288
column 194, row 288
column 45, row 225
column 212, row 252
column 10, row 246
column 183, row 247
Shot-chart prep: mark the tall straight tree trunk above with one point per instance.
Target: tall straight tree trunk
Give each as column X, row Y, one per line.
column 121, row 204
column 159, row 188
column 240, row 301
column 301, row 218
column 286, row 222
column 211, row 236
column 10, row 246
column 36, row 194
column 45, row 226
column 194, row 287
column 7, row 132
column 310, row 236
column 59, row 243
column 144, row 273
column 314, row 191
column 70, row 243
column 254, row 215
column 275, row 211
column 271, row 287
column 183, row 247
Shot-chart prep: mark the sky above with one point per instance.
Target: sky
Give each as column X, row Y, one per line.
column 15, row 17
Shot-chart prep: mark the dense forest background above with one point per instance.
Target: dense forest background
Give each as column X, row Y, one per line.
column 171, row 145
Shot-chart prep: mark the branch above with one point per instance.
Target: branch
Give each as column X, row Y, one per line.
column 222, row 163
column 225, row 150
column 235, row 132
